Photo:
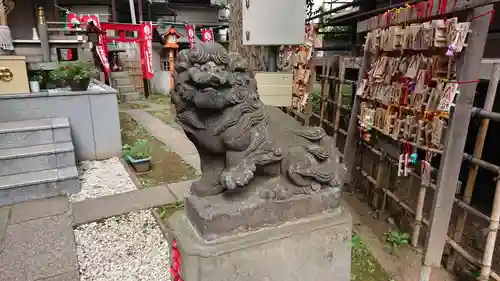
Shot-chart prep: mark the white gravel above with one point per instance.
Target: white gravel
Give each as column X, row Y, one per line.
column 123, row 248
column 102, row 178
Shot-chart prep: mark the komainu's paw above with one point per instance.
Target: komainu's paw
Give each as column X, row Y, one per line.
column 204, row 189
column 238, row 176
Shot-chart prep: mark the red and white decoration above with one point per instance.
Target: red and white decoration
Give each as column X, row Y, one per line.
column 190, row 31
column 207, row 35
column 146, row 48
column 102, row 46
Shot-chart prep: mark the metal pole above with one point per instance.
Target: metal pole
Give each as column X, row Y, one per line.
column 132, row 11
column 139, row 9
column 113, row 10
column 272, row 58
column 453, row 151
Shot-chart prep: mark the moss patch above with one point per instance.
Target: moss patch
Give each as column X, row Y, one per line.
column 364, row 266
column 130, row 105
column 168, row 167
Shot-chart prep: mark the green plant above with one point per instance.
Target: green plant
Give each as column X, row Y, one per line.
column 37, row 76
column 77, row 71
column 356, row 242
column 140, row 150
column 397, row 239
column 475, row 272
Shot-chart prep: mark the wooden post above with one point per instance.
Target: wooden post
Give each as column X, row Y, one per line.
column 3, row 14
column 454, row 146
column 478, row 152
column 353, row 132
column 43, row 35
column 171, row 64
column 338, row 103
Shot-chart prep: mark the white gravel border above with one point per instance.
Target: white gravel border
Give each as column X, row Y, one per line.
column 123, row 248
column 102, row 178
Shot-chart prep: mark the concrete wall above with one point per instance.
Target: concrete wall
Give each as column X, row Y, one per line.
column 93, row 117
column 194, row 14
column 161, row 80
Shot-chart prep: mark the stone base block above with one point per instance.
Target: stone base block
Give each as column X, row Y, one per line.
column 317, row 248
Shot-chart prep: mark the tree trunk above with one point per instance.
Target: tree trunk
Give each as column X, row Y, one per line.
column 257, row 55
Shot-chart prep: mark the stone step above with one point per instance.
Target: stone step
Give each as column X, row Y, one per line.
column 36, row 158
column 126, row 89
column 130, row 96
column 122, row 82
column 34, row 132
column 120, row 74
column 37, row 185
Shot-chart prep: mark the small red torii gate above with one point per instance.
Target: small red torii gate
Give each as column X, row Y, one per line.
column 145, row 41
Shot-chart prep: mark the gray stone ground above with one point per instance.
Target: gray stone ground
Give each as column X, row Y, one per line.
column 37, row 241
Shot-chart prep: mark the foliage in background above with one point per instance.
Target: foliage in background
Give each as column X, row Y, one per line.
column 79, row 70
column 140, row 150
column 37, row 76
column 397, row 239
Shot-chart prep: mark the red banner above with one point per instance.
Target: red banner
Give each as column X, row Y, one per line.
column 102, row 46
column 190, row 31
column 207, row 35
column 146, row 49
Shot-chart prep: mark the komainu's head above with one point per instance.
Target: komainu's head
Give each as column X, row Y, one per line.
column 209, row 77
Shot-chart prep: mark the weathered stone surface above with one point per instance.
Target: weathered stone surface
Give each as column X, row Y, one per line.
column 313, row 249
column 220, row 215
column 70, row 276
column 180, row 189
column 36, row 209
column 38, row 249
column 257, row 169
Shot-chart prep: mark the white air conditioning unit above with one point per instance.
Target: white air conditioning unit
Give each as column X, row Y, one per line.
column 275, row 88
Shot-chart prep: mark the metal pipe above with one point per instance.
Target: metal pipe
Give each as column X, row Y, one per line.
column 357, row 15
column 494, row 116
column 354, row 3
column 481, row 163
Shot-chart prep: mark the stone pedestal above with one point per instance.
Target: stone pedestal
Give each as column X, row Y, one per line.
column 316, row 248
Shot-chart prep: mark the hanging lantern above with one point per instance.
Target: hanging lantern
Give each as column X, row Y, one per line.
column 93, row 33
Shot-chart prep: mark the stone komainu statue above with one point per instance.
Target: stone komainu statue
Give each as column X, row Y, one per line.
column 218, row 106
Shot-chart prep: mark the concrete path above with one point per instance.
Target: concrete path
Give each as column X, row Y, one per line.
column 176, row 140
column 37, row 242
column 36, row 237
column 134, row 201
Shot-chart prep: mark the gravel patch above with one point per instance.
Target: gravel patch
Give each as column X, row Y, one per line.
column 102, row 178
column 122, row 248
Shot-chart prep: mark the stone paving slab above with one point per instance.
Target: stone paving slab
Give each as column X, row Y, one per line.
column 38, row 249
column 71, row 276
column 36, row 209
column 108, row 206
column 180, row 189
column 176, row 140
